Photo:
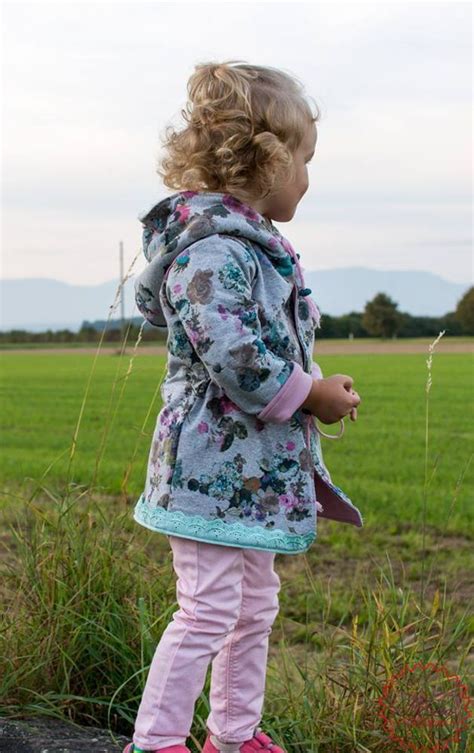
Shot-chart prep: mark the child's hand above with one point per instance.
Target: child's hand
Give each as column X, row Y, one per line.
column 353, row 413
column 332, row 398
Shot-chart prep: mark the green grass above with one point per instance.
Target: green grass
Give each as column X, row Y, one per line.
column 52, row 345
column 87, row 592
column 379, row 462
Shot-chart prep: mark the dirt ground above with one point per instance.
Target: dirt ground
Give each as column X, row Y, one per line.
column 332, row 347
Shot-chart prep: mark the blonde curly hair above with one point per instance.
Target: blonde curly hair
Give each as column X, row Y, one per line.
column 244, row 123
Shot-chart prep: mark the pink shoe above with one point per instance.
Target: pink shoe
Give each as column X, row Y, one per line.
column 169, row 749
column 260, row 741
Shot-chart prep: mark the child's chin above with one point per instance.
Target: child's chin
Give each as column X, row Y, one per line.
column 285, row 216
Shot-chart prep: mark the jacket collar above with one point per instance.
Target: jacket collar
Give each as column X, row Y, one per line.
column 177, row 221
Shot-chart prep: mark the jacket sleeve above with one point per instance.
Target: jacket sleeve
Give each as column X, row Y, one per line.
column 316, row 372
column 210, row 287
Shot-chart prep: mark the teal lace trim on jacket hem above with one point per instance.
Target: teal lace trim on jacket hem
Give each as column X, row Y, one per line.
column 177, row 523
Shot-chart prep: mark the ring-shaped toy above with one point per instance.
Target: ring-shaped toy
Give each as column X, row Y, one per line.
column 330, row 436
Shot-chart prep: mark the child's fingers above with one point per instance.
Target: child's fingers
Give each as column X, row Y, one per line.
column 356, row 397
column 347, row 381
column 353, row 414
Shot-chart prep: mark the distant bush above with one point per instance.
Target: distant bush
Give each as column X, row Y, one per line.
column 380, row 318
column 464, row 313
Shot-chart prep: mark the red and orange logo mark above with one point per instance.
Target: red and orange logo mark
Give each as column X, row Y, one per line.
column 424, row 708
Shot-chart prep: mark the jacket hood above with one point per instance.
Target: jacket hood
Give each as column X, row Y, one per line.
column 183, row 218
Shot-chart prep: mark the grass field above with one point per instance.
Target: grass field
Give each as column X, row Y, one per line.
column 357, row 606
column 380, row 460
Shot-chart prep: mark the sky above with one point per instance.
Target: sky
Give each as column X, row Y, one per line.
column 90, row 87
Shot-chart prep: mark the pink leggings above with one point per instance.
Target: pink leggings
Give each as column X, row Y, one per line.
column 228, row 599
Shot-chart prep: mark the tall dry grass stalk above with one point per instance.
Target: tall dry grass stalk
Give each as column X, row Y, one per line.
column 429, row 381
column 112, row 308
column 117, row 394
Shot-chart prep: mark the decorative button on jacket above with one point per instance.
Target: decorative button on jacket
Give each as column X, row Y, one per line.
column 233, row 459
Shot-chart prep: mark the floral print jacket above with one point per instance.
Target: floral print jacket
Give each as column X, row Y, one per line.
column 233, row 459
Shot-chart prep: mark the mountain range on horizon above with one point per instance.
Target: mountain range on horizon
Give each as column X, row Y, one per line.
column 37, row 304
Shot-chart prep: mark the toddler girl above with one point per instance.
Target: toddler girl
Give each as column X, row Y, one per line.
column 235, row 472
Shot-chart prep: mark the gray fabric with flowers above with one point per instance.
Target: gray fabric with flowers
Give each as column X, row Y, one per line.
column 222, row 282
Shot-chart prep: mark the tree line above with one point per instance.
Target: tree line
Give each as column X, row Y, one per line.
column 380, row 318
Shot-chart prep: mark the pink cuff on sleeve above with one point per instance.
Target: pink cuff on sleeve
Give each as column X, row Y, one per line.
column 289, row 398
column 316, row 372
